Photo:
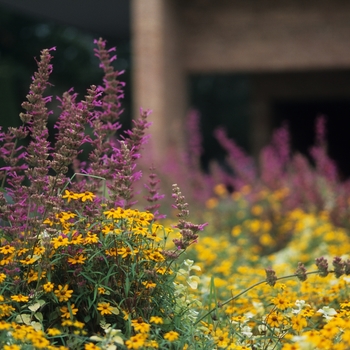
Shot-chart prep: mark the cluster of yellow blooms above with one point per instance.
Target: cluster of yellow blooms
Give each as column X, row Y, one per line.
column 292, row 315
column 81, row 271
column 67, row 275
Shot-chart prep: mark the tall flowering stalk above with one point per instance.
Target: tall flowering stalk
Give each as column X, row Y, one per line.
column 153, row 196
column 34, row 176
column 74, row 252
column 188, row 230
column 242, row 165
column 30, row 199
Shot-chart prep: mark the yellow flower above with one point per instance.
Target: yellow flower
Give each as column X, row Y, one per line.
column 154, row 237
column 101, row 290
column 7, row 249
column 111, row 252
column 66, row 313
column 171, row 336
column 2, row 277
column 236, row 231
column 78, row 324
column 149, row 284
column 140, row 326
column 70, row 195
column 6, row 310
column 64, row 216
column 274, row 319
column 118, row 213
column 48, row 287
column 136, row 342
column 152, row 344
column 91, row 238
column 62, row 293
column 87, row 196
column 91, row 346
column 140, row 230
column 76, row 239
column 29, row 260
column 12, row 347
column 104, row 308
column 65, row 323
column 221, row 338
column 281, row 302
column 257, row 210
column 291, row 347
column 211, row 203
column 4, row 325
column 220, row 190
column 53, row 332
column 59, row 241
column 163, row 270
column 78, row 259
column 154, row 255
column 39, row 250
column 156, row 320
column 298, row 323
column 22, row 251
column 32, row 276
column 124, row 252
column 20, row 298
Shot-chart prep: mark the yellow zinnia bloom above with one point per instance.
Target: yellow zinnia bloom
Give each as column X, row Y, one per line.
column 136, row 342
column 87, row 196
column 78, row 259
column 7, row 249
column 171, row 336
column 2, row 277
column 104, row 308
column 70, row 195
column 20, row 298
column 62, row 293
column 65, row 313
column 48, row 287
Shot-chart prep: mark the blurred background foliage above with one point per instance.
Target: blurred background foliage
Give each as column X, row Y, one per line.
column 21, row 40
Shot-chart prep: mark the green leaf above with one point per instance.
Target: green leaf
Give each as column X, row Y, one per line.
column 36, row 325
column 39, row 316
column 37, row 305
column 24, row 318
column 115, row 311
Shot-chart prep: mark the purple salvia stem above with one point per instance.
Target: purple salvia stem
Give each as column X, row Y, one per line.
column 112, row 86
column 188, row 231
column 324, row 165
column 242, row 164
column 195, row 148
column 154, row 196
column 136, row 137
column 121, row 191
column 105, row 123
column 36, row 153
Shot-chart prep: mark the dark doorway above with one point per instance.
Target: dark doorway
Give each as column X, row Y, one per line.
column 223, row 101
column 301, row 116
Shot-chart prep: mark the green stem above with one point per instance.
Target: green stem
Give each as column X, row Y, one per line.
column 247, row 290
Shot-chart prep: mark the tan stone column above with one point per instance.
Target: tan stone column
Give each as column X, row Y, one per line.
column 158, row 77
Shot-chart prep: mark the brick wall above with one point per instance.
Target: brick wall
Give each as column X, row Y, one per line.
column 246, row 35
column 174, row 38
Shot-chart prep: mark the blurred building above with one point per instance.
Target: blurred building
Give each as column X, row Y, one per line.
column 293, row 53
